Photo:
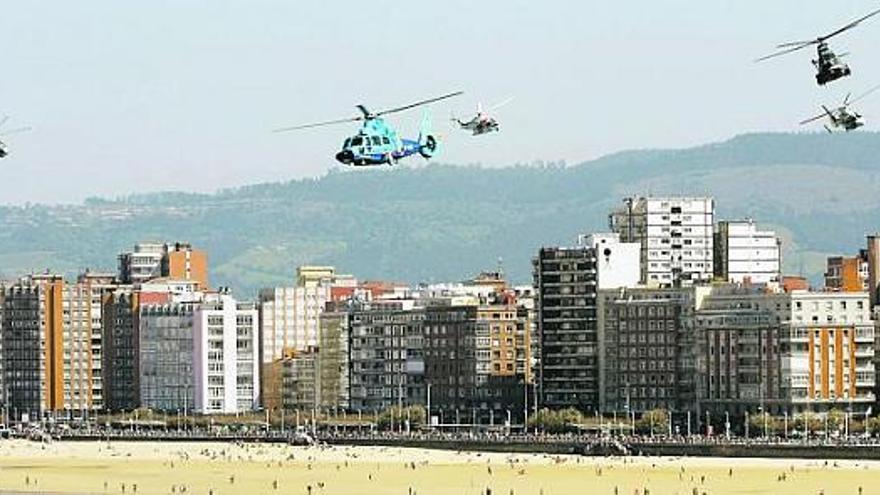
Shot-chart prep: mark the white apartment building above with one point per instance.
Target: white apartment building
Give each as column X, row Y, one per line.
column 676, row 238
column 225, row 357
column 290, row 316
column 744, row 253
column 617, row 263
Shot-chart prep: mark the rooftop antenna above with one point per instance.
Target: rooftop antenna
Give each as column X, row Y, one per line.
column 500, row 266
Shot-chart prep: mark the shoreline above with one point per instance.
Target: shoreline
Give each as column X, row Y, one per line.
column 594, row 449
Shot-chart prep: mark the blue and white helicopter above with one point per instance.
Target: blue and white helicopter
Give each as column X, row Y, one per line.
column 377, row 143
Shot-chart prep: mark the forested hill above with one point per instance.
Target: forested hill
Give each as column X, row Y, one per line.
column 444, row 222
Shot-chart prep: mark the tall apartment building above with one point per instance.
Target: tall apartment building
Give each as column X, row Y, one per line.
column 568, row 369
column 31, row 345
column 225, row 360
column 148, row 261
column 647, row 349
column 52, row 344
column 165, row 362
column 787, row 352
column 741, row 348
column 83, row 341
column 333, row 363
column 289, row 315
column 386, row 355
column 477, row 355
column 676, row 237
column 744, row 253
column 120, row 357
column 199, row 355
column 847, row 273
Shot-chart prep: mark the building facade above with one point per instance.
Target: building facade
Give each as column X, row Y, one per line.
column 165, row 348
column 785, row 352
column 225, row 357
column 120, row 357
column 568, row 369
column 647, row 349
column 676, row 238
column 847, row 273
column 52, row 345
column 477, row 356
column 386, row 355
column 745, row 254
column 149, row 261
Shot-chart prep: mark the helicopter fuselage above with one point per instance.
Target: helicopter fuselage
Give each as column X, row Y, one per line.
column 3, row 150
column 480, row 124
column 829, row 66
column 378, row 144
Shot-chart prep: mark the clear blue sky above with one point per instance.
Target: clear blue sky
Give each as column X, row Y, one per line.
column 129, row 97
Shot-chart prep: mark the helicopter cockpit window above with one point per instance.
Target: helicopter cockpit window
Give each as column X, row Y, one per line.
column 385, row 140
column 376, row 141
column 357, row 141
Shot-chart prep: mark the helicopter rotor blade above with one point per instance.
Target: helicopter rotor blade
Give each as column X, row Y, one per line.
column 863, row 95
column 503, row 103
column 850, row 25
column 813, row 119
column 797, row 43
column 4, row 120
column 15, row 131
column 784, row 52
column 319, row 124
column 419, row 103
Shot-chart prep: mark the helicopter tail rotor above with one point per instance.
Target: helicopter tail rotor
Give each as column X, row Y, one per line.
column 429, row 147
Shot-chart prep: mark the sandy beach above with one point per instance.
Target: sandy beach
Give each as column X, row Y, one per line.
column 223, row 468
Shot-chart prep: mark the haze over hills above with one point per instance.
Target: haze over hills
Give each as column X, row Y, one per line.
column 444, row 222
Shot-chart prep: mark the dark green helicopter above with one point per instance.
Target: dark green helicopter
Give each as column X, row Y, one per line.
column 829, row 65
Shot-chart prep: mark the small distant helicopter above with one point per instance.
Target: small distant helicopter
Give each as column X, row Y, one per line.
column 377, row 143
column 4, row 149
column 828, row 65
column 841, row 117
column 482, row 122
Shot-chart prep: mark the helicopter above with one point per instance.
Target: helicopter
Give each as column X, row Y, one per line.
column 377, row 143
column 4, row 149
column 841, row 117
column 828, row 65
column 482, row 122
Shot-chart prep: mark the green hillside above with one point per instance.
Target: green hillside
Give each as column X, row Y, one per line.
column 443, row 222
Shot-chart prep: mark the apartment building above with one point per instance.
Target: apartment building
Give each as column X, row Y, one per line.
column 847, row 273
column 225, row 360
column 743, row 253
column 386, row 355
column 52, row 345
column 477, row 355
column 568, row 369
column 149, row 261
column 785, row 352
column 647, row 349
column 675, row 234
column 165, row 348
